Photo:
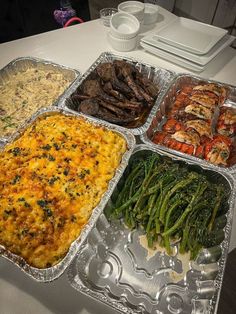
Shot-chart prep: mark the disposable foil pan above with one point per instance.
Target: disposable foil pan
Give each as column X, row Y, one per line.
column 159, row 76
column 24, row 63
column 113, row 267
column 51, row 273
column 160, row 116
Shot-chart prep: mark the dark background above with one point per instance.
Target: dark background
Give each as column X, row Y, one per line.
column 21, row 18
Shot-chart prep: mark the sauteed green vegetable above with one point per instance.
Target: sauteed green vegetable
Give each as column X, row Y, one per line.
column 171, row 203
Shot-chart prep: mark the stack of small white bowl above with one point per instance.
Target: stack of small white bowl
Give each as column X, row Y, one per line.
column 125, row 25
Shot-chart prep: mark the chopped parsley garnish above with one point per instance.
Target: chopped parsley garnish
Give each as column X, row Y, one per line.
column 57, row 147
column 42, row 203
column 51, row 158
column 16, row 179
column 46, row 147
column 52, row 180
column 15, row 151
column 66, row 172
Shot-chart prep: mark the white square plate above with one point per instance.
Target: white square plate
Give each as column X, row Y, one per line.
column 172, row 58
column 199, row 59
column 190, row 35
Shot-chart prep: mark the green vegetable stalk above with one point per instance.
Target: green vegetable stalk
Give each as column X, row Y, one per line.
column 168, row 201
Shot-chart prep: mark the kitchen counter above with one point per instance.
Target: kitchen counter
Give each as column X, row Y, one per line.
column 78, row 47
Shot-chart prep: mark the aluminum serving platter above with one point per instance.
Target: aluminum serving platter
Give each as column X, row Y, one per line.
column 161, row 77
column 51, row 273
column 24, row 63
column 159, row 118
column 115, row 268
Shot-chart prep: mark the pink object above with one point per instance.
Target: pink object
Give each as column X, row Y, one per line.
column 73, row 19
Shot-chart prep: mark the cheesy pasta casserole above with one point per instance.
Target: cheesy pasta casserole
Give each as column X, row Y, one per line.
column 51, row 179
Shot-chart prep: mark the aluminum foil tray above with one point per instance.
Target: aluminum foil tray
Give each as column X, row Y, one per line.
column 51, row 273
column 160, row 116
column 114, row 267
column 159, row 76
column 24, row 63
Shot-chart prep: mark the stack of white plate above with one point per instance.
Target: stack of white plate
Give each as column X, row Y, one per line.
column 188, row 43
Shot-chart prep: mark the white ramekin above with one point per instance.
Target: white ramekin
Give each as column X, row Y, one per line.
column 124, row 25
column 120, row 44
column 150, row 13
column 135, row 8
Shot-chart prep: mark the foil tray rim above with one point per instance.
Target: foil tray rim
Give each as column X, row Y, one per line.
column 52, row 273
column 103, row 297
column 138, row 130
column 36, row 60
column 144, row 138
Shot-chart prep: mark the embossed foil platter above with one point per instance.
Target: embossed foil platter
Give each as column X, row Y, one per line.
column 166, row 104
column 51, row 273
column 160, row 77
column 114, row 265
column 24, row 63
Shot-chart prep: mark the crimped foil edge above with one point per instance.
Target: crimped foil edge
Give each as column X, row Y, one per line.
column 145, row 139
column 103, row 296
column 21, row 62
column 50, row 274
column 107, row 56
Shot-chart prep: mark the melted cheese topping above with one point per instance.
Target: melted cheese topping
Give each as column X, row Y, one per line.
column 51, row 179
column 25, row 92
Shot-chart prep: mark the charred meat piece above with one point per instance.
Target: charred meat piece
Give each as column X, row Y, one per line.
column 79, row 97
column 147, row 85
column 126, row 70
column 119, row 112
column 89, row 106
column 93, row 88
column 130, row 105
column 106, row 71
column 108, row 88
column 110, row 117
column 116, row 91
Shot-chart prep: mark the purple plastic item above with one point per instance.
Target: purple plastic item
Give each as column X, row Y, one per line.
column 63, row 15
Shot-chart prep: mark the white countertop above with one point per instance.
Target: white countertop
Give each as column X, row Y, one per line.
column 78, row 47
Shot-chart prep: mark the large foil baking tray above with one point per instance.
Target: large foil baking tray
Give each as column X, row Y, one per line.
column 24, row 63
column 51, row 273
column 159, row 76
column 114, row 267
column 160, row 118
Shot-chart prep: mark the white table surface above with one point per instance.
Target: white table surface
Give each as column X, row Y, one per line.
column 78, row 47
